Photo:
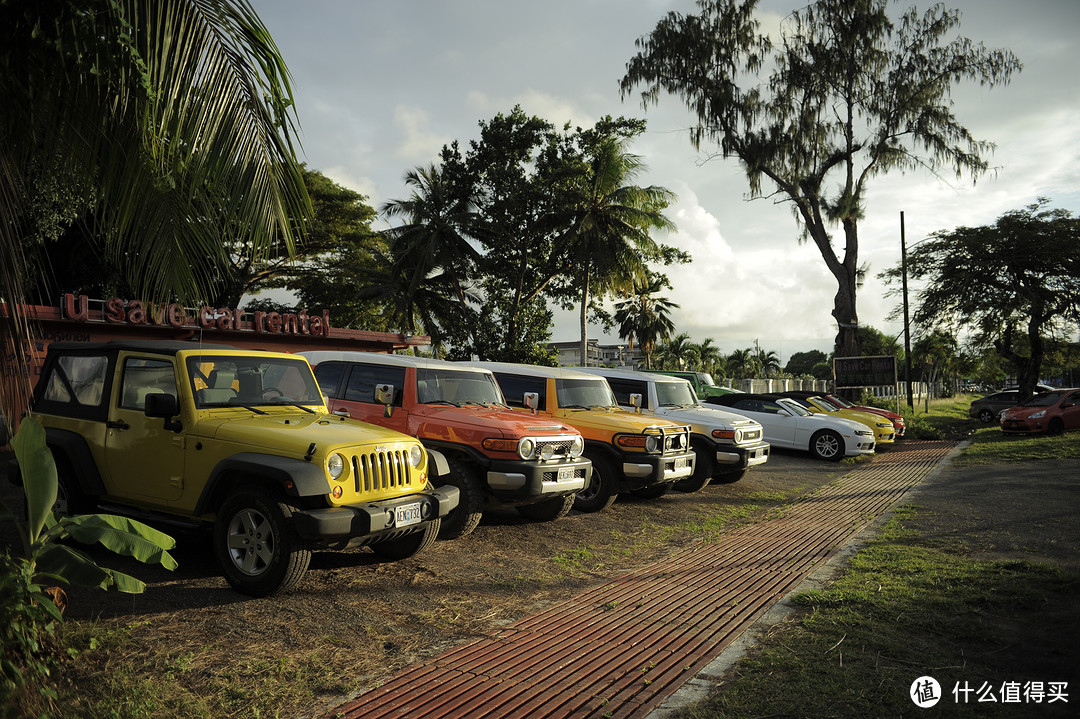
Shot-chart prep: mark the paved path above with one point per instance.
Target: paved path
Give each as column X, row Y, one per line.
column 622, row 648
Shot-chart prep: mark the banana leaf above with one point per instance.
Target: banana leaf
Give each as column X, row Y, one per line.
column 38, row 473
column 124, row 536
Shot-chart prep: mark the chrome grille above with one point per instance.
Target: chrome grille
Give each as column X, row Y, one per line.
column 377, row 471
column 560, row 447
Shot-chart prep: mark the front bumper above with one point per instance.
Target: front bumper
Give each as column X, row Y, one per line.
column 649, row 469
column 372, row 518
column 509, row 479
column 729, row 456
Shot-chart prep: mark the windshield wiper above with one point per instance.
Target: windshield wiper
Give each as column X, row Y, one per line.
column 292, row 404
column 442, row 401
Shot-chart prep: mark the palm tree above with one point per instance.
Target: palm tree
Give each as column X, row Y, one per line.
column 708, row 355
column 767, row 362
column 742, row 364
column 681, row 352
column 643, row 317
column 177, row 114
column 609, row 236
column 434, row 237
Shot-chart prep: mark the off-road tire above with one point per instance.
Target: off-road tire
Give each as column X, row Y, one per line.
column 827, row 444
column 600, row 494
column 70, row 499
column 466, row 516
column 704, row 469
column 257, row 546
column 410, row 545
column 656, row 490
column 549, row 510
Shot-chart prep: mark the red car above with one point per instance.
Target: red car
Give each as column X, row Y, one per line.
column 841, row 403
column 1049, row 412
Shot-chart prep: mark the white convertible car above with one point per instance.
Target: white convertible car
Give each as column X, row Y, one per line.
column 791, row 426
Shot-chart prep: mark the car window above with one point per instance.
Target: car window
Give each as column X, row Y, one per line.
column 360, row 387
column 584, row 393
column 623, row 388
column 255, row 380
column 328, row 375
column 1046, row 399
column 672, row 394
column 457, row 386
column 78, row 379
column 515, row 386
column 144, row 376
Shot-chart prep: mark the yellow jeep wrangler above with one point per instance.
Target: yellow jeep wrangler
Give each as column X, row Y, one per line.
column 234, row 440
column 644, row 456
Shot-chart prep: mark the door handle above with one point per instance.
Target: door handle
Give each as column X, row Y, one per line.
column 342, row 413
column 117, row 424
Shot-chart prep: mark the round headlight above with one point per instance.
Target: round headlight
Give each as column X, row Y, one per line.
column 526, row 447
column 577, row 447
column 652, row 443
column 547, row 451
column 335, row 465
column 416, row 455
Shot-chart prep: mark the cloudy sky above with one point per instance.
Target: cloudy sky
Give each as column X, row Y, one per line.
column 382, row 85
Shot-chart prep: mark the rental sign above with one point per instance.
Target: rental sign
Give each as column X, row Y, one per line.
column 171, row 314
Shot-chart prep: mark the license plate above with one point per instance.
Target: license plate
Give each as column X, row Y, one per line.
column 407, row 514
column 682, row 463
column 565, row 473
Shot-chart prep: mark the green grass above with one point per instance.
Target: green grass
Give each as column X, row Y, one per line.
column 990, row 446
column 900, row 612
column 905, row 609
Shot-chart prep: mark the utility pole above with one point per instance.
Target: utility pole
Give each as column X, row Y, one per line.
column 907, row 320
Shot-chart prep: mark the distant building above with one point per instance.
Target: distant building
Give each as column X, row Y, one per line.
column 598, row 355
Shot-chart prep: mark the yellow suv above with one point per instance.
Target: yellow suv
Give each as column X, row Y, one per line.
column 234, row 440
column 644, row 456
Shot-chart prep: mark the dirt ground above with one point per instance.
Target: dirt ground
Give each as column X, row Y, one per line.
column 356, row 618
column 363, row 618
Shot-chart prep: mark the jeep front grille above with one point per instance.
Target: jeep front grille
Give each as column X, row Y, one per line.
column 379, row 471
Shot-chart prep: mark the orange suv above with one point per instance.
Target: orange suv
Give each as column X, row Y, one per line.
column 631, row 453
column 493, row 455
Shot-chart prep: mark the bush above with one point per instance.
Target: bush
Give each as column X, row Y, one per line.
column 28, row 624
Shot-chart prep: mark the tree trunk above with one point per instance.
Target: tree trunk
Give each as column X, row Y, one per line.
column 584, row 344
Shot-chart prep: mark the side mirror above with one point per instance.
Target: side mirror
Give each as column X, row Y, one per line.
column 165, row 406
column 635, row 401
column 532, row 401
column 384, row 395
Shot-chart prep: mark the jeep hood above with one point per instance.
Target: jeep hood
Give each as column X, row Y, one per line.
column 491, row 421
column 604, row 421
column 706, row 417
column 294, row 431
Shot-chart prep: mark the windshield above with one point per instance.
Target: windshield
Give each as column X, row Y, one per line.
column 675, row 394
column 794, row 407
column 248, row 381
column 839, row 401
column 706, row 379
column 823, row 404
column 1046, row 399
column 442, row 386
column 583, row 393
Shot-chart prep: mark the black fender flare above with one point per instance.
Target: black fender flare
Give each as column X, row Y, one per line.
column 437, row 464
column 74, row 449
column 604, row 449
column 438, row 452
column 295, row 477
